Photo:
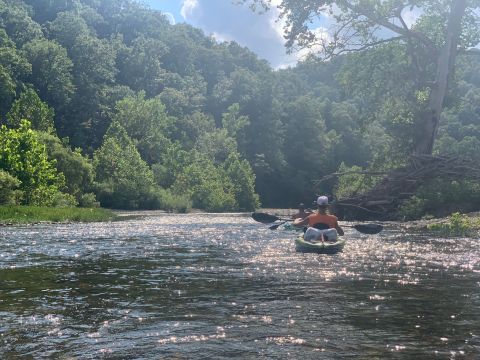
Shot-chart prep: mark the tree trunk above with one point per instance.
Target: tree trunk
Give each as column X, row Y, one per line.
column 445, row 65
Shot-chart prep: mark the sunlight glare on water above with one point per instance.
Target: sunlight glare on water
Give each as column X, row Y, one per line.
column 222, row 285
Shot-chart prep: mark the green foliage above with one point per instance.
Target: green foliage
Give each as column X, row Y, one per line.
column 33, row 214
column 189, row 128
column 140, row 65
column 24, row 157
column 147, row 123
column 67, row 27
column 353, row 181
column 77, row 169
column 29, row 107
column 18, row 24
column 216, row 145
column 51, row 71
column 88, row 200
column 441, row 197
column 160, row 105
column 64, row 200
column 184, row 95
column 233, row 122
column 13, row 67
column 413, row 208
column 167, row 200
column 94, row 63
column 123, row 179
column 242, row 179
column 13, row 60
column 7, row 90
column 174, row 160
column 9, row 193
column 206, row 185
column 457, row 225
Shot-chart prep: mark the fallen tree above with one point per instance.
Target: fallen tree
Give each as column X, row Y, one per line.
column 384, row 200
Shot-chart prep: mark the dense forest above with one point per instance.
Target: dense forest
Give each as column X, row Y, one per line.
column 107, row 102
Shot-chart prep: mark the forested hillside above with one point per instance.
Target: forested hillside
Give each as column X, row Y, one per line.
column 107, row 101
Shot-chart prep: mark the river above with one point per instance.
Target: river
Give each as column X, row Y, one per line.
column 218, row 286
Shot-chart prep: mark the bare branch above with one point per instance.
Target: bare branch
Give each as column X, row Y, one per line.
column 370, row 14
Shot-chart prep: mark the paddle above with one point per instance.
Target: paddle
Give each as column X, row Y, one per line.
column 267, row 218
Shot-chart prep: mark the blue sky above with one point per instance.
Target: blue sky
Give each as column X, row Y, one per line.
column 168, row 6
column 262, row 34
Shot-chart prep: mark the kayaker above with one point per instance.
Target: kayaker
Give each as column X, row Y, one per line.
column 320, row 216
column 302, row 213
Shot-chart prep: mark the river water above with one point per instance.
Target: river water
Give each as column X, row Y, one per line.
column 207, row 286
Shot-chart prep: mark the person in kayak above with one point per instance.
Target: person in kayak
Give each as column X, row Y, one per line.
column 302, row 213
column 321, row 216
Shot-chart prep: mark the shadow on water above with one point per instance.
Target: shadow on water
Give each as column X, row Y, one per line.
column 221, row 286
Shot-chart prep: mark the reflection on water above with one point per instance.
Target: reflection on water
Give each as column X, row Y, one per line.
column 222, row 286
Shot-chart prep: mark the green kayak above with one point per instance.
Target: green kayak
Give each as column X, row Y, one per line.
column 319, row 247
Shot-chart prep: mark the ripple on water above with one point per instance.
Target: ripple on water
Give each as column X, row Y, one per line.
column 221, row 285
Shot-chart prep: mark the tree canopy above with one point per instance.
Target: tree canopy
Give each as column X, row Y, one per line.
column 140, row 113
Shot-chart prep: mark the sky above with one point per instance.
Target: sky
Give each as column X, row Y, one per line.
column 262, row 34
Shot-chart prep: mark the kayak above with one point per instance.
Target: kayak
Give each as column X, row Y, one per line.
column 319, row 247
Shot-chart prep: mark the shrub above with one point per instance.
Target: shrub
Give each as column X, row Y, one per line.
column 441, row 198
column 24, row 157
column 413, row 209
column 457, row 225
column 9, row 193
column 88, row 200
column 64, row 200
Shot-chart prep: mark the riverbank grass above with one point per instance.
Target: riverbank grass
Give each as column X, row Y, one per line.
column 457, row 225
column 34, row 214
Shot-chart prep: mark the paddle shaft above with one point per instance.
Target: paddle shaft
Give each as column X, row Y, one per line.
column 267, row 219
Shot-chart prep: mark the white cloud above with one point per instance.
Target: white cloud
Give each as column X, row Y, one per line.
column 169, row 17
column 188, row 8
column 261, row 33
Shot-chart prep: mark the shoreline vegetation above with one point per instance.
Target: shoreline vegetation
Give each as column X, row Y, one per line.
column 15, row 215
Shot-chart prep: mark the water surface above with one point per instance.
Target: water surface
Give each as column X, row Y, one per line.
column 208, row 286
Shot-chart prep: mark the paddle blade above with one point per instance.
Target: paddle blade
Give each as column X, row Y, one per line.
column 264, row 218
column 368, row 228
column 275, row 226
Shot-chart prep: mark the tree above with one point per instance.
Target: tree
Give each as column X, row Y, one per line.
column 66, row 28
column 23, row 156
column 124, row 180
column 14, row 68
column 77, row 169
column 147, row 123
column 30, row 107
column 15, row 19
column 47, row 10
column 7, row 90
column 8, row 189
column 206, row 184
column 51, row 71
column 140, row 66
column 243, row 179
column 443, row 28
